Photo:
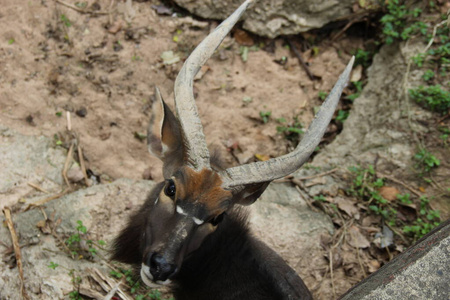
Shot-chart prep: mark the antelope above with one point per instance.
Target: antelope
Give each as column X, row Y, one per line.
column 191, row 233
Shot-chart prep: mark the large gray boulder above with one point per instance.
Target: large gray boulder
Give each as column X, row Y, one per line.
column 272, row 18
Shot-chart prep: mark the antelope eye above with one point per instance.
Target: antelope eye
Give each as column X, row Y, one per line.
column 170, row 189
column 217, row 219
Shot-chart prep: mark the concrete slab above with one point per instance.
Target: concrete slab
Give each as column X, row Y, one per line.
column 421, row 272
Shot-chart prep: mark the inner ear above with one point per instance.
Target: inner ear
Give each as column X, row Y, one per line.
column 164, row 136
column 250, row 193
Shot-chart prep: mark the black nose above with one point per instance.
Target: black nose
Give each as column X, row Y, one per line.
column 160, row 268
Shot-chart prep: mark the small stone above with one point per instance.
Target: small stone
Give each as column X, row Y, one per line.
column 75, row 174
column 82, row 112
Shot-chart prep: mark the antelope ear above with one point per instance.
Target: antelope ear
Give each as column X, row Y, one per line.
column 250, row 193
column 164, row 136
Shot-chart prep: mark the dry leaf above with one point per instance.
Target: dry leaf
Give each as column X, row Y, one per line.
column 373, row 266
column 262, row 157
column 389, row 193
column 356, row 73
column 348, row 207
column 357, row 239
column 243, row 38
column 44, row 226
column 115, row 28
column 371, row 219
column 169, row 58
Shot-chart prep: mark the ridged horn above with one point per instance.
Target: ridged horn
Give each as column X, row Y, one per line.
column 237, row 177
column 197, row 153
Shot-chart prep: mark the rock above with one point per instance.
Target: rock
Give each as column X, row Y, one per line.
column 376, row 127
column 275, row 17
column 282, row 219
column 421, row 272
column 75, row 174
column 24, row 160
column 101, row 208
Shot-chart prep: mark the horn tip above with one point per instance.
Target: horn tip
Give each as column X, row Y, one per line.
column 350, row 64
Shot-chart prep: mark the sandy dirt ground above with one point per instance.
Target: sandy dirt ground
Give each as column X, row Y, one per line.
column 64, row 61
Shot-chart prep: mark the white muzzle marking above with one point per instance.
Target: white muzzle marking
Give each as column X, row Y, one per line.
column 147, row 278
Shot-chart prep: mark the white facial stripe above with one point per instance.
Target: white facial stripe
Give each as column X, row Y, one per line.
column 156, row 201
column 181, row 211
column 198, row 221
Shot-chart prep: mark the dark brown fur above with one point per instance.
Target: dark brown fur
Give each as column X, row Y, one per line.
column 230, row 263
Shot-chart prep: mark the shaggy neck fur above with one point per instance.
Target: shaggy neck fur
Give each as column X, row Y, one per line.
column 230, row 263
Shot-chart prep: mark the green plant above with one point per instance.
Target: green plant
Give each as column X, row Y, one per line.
column 405, row 199
column 134, row 285
column 53, row 265
column 426, row 160
column 176, row 37
column 433, row 97
column 292, row 130
column 57, row 140
column 358, row 85
column 366, row 186
column 342, row 115
column 265, row 116
column 445, row 134
column 11, row 41
column 426, row 221
column 320, row 198
column 244, row 50
column 395, row 22
column 419, row 59
column 363, row 57
column 322, row 95
column 428, row 75
column 79, row 244
column 66, row 20
column 81, row 4
column 438, row 53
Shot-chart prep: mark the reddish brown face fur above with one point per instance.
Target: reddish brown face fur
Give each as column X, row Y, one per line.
column 202, row 189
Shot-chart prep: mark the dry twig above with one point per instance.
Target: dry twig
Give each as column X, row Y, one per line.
column 330, row 255
column 69, row 122
column 300, row 59
column 47, row 199
column 318, row 175
column 37, row 187
column 379, row 175
column 66, row 166
column 15, row 241
column 83, row 166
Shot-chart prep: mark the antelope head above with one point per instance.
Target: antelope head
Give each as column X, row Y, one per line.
column 195, row 196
